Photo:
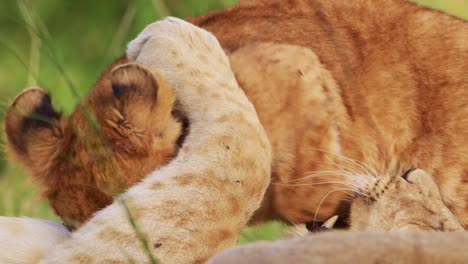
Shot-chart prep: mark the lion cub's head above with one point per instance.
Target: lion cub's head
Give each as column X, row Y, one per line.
column 126, row 127
column 409, row 202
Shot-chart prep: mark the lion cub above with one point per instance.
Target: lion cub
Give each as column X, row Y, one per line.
column 127, row 127
column 409, row 202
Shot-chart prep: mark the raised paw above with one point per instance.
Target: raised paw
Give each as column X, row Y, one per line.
column 175, row 38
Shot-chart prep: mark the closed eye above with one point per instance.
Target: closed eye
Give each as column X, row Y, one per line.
column 406, row 174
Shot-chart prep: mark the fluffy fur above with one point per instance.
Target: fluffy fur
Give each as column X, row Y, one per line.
column 26, row 241
column 208, row 192
column 117, row 136
column 358, row 247
column 363, row 82
column 410, row 202
column 90, row 159
column 401, row 75
column 389, row 92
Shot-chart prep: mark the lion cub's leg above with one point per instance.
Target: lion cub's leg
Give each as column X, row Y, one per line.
column 196, row 205
column 26, row 240
column 354, row 247
column 300, row 107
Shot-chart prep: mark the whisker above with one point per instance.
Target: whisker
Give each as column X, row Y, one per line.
column 351, row 188
column 357, row 163
column 310, row 175
column 355, row 181
column 348, row 170
column 357, row 178
column 318, row 183
column 340, row 166
column 354, row 174
column 325, row 197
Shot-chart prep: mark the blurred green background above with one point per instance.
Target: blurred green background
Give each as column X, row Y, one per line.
column 79, row 38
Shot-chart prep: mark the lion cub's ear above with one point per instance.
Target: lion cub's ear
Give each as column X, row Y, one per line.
column 136, row 91
column 142, row 102
column 32, row 127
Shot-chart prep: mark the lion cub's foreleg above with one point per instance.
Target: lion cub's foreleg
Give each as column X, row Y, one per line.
column 196, row 205
column 354, row 247
column 300, row 107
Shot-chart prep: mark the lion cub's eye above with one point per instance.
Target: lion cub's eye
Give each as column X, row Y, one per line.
column 406, row 174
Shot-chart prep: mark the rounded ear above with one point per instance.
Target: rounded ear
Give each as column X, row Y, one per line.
column 143, row 100
column 132, row 82
column 32, row 126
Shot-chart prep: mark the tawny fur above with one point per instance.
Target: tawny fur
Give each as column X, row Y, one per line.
column 207, row 193
column 108, row 144
column 27, row 241
column 400, row 75
column 354, row 247
column 411, row 202
column 390, row 95
column 133, row 130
